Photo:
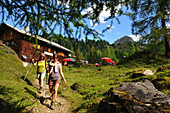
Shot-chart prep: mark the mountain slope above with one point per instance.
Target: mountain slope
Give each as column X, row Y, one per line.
column 15, row 93
column 123, row 40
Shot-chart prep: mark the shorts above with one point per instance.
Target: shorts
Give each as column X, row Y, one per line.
column 53, row 82
column 41, row 75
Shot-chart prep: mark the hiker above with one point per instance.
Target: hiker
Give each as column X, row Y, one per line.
column 41, row 70
column 54, row 78
column 48, row 68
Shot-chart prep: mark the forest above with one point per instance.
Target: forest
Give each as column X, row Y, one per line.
column 94, row 50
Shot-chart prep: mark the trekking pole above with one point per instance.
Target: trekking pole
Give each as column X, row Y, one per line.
column 27, row 72
column 46, row 88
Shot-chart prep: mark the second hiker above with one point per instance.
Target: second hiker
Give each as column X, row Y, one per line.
column 41, row 70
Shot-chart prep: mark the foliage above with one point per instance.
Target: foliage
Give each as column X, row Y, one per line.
column 149, row 19
column 78, row 59
column 86, row 86
column 91, row 56
column 45, row 16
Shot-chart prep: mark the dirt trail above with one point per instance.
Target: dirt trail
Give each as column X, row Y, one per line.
column 62, row 105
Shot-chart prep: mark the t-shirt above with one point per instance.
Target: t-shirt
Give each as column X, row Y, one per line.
column 41, row 66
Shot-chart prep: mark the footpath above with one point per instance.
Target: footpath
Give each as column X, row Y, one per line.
column 62, row 105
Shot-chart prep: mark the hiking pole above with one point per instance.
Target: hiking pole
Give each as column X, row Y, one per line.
column 46, row 87
column 27, row 72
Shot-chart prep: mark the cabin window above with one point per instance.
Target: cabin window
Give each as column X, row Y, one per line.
column 60, row 53
column 13, row 43
column 49, row 50
column 38, row 46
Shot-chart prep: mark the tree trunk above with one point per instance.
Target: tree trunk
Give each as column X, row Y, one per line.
column 166, row 38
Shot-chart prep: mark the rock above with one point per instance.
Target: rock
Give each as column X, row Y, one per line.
column 123, row 40
column 132, row 97
column 148, row 72
column 145, row 92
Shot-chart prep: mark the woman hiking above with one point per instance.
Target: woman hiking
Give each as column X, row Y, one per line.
column 41, row 70
column 54, row 78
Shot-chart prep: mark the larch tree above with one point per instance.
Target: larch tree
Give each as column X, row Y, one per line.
column 148, row 15
column 46, row 15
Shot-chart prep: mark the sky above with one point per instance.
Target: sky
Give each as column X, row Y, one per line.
column 116, row 32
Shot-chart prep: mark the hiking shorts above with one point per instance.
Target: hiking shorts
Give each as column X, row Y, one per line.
column 41, row 75
column 53, row 82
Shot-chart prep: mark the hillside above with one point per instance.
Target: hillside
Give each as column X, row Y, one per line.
column 86, row 86
column 17, row 95
column 124, row 44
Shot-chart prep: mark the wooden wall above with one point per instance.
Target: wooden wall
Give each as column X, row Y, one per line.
column 21, row 46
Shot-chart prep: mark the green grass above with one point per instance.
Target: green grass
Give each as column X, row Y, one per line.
column 14, row 92
column 86, row 86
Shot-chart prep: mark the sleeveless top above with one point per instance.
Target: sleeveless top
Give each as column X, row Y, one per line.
column 41, row 66
column 55, row 74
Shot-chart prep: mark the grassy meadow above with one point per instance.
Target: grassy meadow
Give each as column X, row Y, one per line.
column 86, row 86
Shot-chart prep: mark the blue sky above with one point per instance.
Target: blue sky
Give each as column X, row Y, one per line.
column 111, row 35
column 116, row 32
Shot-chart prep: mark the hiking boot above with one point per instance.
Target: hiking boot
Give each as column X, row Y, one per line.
column 52, row 105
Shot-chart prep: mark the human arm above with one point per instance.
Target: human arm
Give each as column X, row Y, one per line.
column 62, row 75
column 34, row 63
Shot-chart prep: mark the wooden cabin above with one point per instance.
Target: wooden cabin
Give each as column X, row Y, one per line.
column 23, row 43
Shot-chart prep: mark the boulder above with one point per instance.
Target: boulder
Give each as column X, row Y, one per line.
column 135, row 97
column 145, row 92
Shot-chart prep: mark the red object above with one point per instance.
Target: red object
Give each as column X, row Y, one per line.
column 66, row 60
column 106, row 59
column 96, row 64
column 113, row 62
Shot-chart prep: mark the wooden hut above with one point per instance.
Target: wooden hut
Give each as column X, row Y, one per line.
column 26, row 48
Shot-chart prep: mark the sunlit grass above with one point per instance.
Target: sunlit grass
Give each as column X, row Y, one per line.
column 86, row 86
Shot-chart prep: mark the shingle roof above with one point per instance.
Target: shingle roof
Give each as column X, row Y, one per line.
column 40, row 38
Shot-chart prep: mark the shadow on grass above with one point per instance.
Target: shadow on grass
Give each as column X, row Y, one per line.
column 28, row 81
column 13, row 106
column 90, row 109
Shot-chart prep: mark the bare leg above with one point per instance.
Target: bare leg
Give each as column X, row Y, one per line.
column 51, row 89
column 41, row 82
column 56, row 86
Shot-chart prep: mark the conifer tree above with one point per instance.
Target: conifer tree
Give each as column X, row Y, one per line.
column 131, row 49
column 148, row 15
column 78, row 58
column 91, row 56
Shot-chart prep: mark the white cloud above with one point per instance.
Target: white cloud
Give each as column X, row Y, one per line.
column 111, row 27
column 135, row 37
column 104, row 14
column 168, row 25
